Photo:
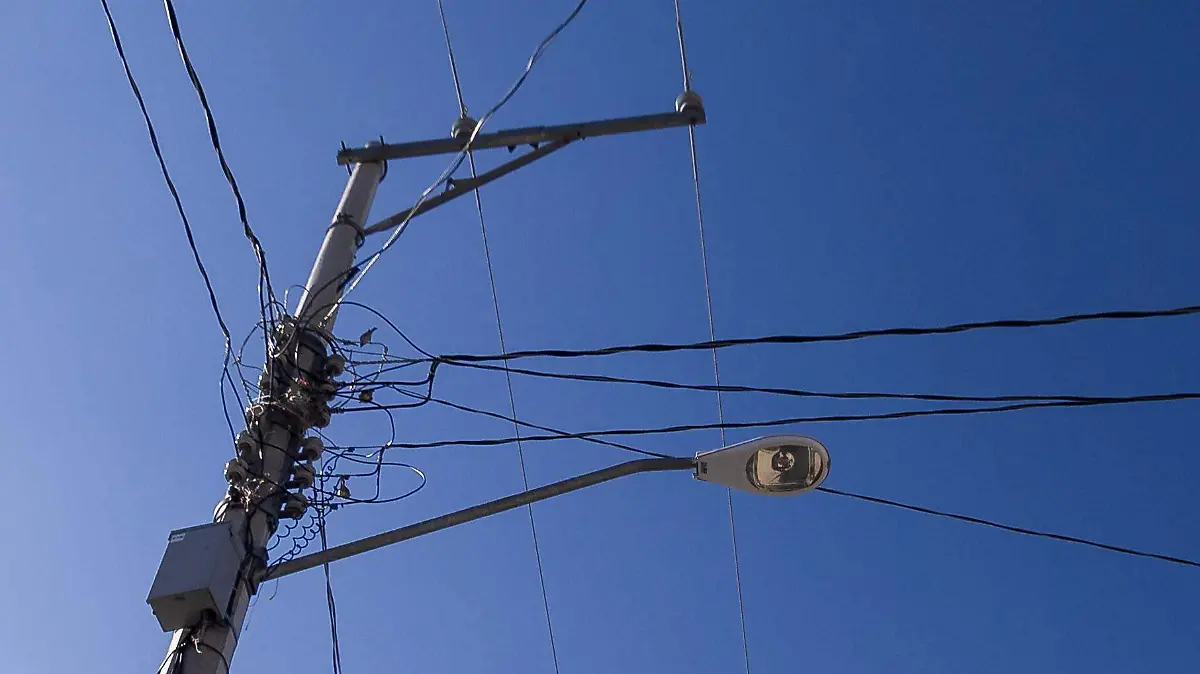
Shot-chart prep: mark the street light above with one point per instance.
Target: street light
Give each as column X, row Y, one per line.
column 777, row 465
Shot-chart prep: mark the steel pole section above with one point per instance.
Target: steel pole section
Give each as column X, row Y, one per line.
column 478, row 512
column 279, row 419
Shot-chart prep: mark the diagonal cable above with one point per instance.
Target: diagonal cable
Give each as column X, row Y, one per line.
column 512, row 401
column 712, row 336
column 1008, row 527
column 266, row 294
column 187, row 226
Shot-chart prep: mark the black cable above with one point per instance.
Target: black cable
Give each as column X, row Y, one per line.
column 841, row 337
column 374, row 406
column 558, row 434
column 1006, row 527
column 175, row 656
column 333, row 631
column 214, row 649
column 904, row 414
column 388, row 321
column 187, row 226
column 260, row 255
column 728, row 388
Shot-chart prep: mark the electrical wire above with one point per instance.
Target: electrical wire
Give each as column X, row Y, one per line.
column 1014, row 529
column 791, row 392
column 333, row 630
column 175, row 655
column 462, row 154
column 558, row 434
column 769, row 423
column 838, row 337
column 260, row 255
column 462, row 105
column 512, row 401
column 712, row 336
column 187, row 226
column 512, row 404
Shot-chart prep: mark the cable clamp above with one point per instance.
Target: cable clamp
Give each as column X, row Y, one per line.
column 344, row 219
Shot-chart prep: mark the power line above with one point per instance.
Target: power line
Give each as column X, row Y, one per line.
column 769, row 423
column 838, row 337
column 792, row 392
column 512, row 401
column 1007, row 527
column 187, row 226
column 462, row 105
column 558, row 434
column 462, row 154
column 712, row 336
column 264, row 277
column 329, row 600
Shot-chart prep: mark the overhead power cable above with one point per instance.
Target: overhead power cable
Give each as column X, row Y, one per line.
column 266, row 294
column 769, row 423
column 712, row 334
column 512, row 400
column 558, row 434
column 838, row 337
column 1008, row 527
column 462, row 154
column 329, row 600
column 187, row 226
column 798, row 393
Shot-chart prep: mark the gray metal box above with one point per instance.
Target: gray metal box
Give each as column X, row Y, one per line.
column 197, row 574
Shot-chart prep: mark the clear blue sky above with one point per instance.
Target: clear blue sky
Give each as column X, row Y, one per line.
column 866, row 164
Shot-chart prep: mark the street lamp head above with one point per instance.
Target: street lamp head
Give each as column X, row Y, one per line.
column 777, row 465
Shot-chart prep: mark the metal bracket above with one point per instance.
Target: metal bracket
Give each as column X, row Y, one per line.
column 543, row 140
column 474, row 513
column 465, row 186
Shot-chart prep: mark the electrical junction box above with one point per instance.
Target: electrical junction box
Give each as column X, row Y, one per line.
column 197, row 574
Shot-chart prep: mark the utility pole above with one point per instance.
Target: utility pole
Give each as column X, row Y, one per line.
column 209, row 572
column 274, row 460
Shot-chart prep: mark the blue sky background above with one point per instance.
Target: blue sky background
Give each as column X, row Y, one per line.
column 866, row 164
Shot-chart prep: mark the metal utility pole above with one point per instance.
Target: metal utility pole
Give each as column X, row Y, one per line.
column 274, row 462
column 203, row 586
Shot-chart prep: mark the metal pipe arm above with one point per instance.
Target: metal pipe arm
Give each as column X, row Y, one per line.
column 465, row 186
column 530, row 135
column 476, row 512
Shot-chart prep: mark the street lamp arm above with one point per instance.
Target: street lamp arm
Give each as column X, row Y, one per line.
column 475, row 512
